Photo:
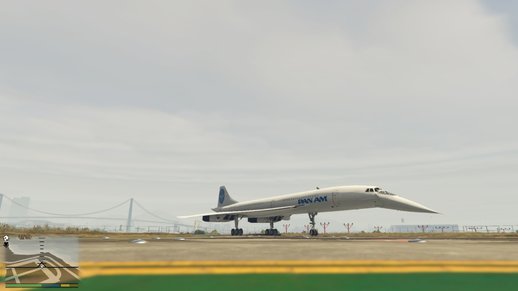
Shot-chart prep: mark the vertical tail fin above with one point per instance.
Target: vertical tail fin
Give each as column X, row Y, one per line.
column 224, row 199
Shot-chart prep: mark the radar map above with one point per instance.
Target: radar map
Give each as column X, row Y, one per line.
column 33, row 262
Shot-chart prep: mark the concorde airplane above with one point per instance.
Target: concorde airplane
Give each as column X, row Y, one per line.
column 275, row 209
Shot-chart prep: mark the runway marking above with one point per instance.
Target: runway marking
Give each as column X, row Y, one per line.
column 293, row 267
column 89, row 269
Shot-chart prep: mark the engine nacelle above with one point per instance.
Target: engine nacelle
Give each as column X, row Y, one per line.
column 218, row 218
column 265, row 219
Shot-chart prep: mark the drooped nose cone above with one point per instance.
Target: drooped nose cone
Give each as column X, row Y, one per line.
column 399, row 203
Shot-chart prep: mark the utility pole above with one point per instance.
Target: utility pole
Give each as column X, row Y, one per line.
column 130, row 213
column 348, row 225
column 378, row 228
column 286, row 227
column 324, row 225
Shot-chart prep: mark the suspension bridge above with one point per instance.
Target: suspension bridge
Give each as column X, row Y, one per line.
column 127, row 223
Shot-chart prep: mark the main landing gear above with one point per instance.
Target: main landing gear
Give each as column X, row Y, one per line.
column 237, row 230
column 313, row 231
column 271, row 230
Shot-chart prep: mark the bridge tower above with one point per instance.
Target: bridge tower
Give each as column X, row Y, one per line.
column 130, row 213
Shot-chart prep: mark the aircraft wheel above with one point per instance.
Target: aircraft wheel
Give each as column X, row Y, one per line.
column 275, row 232
column 233, row 232
column 240, row 231
column 267, row 232
column 315, row 233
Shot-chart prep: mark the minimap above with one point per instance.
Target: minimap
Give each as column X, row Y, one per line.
column 41, row 262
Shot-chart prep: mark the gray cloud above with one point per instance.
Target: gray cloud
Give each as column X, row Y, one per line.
column 173, row 99
column 507, row 10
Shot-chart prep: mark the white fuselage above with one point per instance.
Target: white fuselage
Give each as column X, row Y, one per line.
column 318, row 200
column 274, row 209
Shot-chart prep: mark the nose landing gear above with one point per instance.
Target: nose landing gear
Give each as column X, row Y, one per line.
column 313, row 231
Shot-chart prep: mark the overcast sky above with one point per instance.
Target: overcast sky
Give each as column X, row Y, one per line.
column 165, row 101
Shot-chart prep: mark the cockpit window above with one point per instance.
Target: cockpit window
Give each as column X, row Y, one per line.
column 376, row 189
column 385, row 192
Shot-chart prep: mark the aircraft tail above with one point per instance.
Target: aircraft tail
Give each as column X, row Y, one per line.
column 224, row 199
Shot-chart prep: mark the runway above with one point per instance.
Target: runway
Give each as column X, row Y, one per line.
column 329, row 263
column 253, row 249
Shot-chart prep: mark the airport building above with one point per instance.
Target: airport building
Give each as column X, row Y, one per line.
column 425, row 228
